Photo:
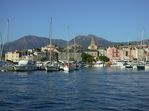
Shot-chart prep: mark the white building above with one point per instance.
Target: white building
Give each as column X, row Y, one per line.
column 13, row 56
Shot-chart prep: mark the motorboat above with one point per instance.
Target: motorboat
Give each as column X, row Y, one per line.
column 25, row 65
column 98, row 64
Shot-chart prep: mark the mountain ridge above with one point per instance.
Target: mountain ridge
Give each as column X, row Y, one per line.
column 33, row 41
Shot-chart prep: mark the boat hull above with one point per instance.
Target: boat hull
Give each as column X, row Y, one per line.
column 140, row 67
column 98, row 65
column 69, row 68
column 6, row 68
column 25, row 68
column 51, row 68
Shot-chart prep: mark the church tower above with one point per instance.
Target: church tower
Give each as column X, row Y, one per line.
column 92, row 45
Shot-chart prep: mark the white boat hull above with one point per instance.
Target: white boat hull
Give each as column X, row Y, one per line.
column 147, row 67
column 25, row 67
column 98, row 65
column 69, row 68
column 51, row 68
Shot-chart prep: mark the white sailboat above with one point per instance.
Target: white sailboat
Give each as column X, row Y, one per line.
column 51, row 65
column 4, row 66
column 77, row 65
column 69, row 65
column 140, row 64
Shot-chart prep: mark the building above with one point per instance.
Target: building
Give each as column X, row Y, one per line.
column 132, row 52
column 92, row 49
column 102, row 51
column 140, row 53
column 92, row 45
column 72, row 56
column 94, row 53
column 113, row 53
column 126, row 52
column 13, row 56
column 147, row 53
column 51, row 50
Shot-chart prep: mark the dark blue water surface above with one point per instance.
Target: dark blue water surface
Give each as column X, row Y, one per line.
column 88, row 89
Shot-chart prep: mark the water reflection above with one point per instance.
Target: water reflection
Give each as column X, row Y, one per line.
column 22, row 74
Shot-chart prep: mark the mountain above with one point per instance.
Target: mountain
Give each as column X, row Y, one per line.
column 30, row 42
column 145, row 41
column 85, row 41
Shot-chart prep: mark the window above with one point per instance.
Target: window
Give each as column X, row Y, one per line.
column 126, row 53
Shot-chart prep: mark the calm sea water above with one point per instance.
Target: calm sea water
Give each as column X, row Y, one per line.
column 85, row 90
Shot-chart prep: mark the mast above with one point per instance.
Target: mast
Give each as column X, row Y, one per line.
column 50, row 36
column 6, row 36
column 1, row 46
column 68, row 45
column 142, row 41
column 5, row 40
column 142, row 37
column 74, row 48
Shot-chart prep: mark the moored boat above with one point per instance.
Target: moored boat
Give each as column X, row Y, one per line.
column 140, row 67
column 51, row 66
column 69, row 66
column 40, row 65
column 98, row 64
column 6, row 68
column 25, row 65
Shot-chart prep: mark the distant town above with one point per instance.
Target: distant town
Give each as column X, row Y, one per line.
column 119, row 52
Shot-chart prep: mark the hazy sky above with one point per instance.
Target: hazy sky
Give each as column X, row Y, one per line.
column 114, row 20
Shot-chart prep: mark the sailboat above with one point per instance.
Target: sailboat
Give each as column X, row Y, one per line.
column 4, row 66
column 140, row 64
column 69, row 65
column 77, row 67
column 51, row 65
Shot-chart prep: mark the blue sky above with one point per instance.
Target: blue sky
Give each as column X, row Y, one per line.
column 114, row 20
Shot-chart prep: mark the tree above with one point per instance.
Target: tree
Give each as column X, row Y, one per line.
column 103, row 58
column 37, row 49
column 42, row 58
column 24, row 52
column 87, row 58
column 71, row 59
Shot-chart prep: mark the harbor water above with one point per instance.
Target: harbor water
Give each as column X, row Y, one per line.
column 88, row 89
